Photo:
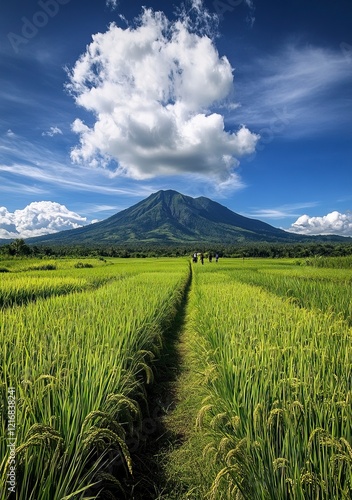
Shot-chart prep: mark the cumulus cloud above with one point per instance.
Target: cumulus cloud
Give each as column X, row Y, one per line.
column 37, row 219
column 52, row 131
column 332, row 223
column 151, row 88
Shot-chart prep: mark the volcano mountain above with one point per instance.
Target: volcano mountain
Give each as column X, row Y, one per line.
column 169, row 217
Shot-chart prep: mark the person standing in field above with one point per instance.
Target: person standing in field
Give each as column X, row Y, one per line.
column 210, row 257
column 202, row 258
column 217, row 257
column 195, row 257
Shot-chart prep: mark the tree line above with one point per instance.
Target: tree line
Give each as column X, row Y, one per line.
column 19, row 247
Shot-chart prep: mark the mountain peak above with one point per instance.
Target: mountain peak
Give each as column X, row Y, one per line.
column 169, row 217
column 164, row 194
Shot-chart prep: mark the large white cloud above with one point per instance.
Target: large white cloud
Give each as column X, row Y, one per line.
column 332, row 223
column 38, row 218
column 151, row 88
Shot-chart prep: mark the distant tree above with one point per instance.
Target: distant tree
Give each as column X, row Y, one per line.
column 18, row 247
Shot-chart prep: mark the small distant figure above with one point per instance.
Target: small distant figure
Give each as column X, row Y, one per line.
column 210, row 257
column 202, row 258
column 195, row 259
column 217, row 257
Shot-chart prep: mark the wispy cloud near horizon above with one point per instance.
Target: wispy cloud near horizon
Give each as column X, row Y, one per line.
column 282, row 211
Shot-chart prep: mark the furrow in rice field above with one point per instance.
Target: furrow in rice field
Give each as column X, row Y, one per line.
column 170, row 420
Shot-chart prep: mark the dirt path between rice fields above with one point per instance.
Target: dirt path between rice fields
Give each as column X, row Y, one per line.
column 173, row 405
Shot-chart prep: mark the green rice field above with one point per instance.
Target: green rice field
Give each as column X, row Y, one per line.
column 265, row 346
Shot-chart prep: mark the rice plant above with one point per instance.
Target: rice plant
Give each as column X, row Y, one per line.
column 277, row 392
column 79, row 364
column 20, row 286
column 324, row 289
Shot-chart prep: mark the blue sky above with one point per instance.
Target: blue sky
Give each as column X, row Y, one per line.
column 246, row 102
